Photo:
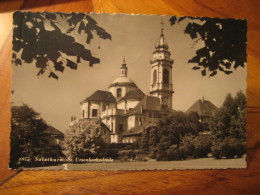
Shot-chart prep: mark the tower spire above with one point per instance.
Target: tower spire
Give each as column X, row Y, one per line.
column 161, row 43
column 124, row 60
column 162, row 26
column 161, row 72
column 123, row 69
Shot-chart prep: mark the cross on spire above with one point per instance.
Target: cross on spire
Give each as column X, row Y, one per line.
column 124, row 60
column 162, row 23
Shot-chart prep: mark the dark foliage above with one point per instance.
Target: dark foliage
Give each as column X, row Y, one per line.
column 229, row 147
column 164, row 141
column 182, row 135
column 229, row 127
column 202, row 146
column 225, row 43
column 39, row 36
column 28, row 137
column 121, row 150
column 230, row 119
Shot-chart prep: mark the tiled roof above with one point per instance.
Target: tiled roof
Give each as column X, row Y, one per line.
column 203, row 108
column 135, row 130
column 99, row 95
column 135, row 94
column 149, row 103
column 53, row 131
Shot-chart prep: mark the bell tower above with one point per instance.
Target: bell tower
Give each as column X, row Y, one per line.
column 161, row 72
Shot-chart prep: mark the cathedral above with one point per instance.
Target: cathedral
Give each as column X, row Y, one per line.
column 124, row 108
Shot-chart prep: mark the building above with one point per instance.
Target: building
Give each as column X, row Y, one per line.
column 124, row 108
column 54, row 138
column 54, row 135
column 204, row 108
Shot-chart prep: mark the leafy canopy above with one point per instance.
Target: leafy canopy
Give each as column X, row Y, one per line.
column 28, row 137
column 169, row 132
column 43, row 37
column 86, row 139
column 230, row 119
column 224, row 43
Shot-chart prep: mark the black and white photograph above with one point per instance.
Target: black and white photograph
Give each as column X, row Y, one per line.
column 127, row 92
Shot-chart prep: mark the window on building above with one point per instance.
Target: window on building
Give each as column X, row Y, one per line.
column 103, row 107
column 157, row 115
column 83, row 113
column 119, row 92
column 121, row 127
column 154, row 76
column 150, row 114
column 166, row 76
column 94, row 113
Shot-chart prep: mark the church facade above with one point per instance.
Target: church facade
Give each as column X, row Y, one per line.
column 124, row 108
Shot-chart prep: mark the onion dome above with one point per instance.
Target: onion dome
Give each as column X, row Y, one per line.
column 161, row 43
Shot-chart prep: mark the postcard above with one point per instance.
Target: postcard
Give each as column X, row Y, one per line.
column 127, row 92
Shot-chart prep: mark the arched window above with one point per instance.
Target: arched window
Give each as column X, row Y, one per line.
column 119, row 92
column 166, row 76
column 154, row 76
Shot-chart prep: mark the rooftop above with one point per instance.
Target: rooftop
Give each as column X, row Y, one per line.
column 135, row 130
column 203, row 108
column 99, row 95
column 135, row 94
column 53, row 131
column 147, row 103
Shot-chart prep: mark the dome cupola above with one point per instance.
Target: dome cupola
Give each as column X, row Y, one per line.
column 122, row 84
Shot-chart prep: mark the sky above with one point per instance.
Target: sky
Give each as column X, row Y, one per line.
column 133, row 36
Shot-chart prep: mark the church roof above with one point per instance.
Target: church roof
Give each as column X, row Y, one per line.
column 147, row 103
column 104, row 96
column 135, row 94
column 135, row 130
column 53, row 131
column 123, row 81
column 203, row 108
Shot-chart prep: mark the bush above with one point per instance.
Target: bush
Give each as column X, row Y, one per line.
column 202, row 146
column 230, row 147
column 172, row 154
column 216, row 150
column 196, row 146
column 188, row 147
column 182, row 153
